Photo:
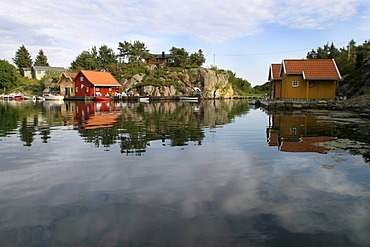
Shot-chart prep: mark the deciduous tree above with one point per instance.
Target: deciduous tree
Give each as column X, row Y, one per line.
column 8, row 75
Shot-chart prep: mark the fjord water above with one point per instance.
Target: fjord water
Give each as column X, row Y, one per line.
column 213, row 173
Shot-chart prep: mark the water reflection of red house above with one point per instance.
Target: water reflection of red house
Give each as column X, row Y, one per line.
column 95, row 115
column 306, row 144
column 300, row 133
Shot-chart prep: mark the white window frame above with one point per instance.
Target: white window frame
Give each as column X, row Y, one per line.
column 293, row 131
column 87, row 89
column 81, row 78
column 295, row 83
column 76, row 89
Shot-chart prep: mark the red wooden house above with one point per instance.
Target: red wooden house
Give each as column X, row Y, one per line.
column 92, row 83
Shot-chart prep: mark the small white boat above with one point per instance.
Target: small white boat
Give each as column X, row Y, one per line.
column 189, row 98
column 53, row 97
column 144, row 99
column 40, row 98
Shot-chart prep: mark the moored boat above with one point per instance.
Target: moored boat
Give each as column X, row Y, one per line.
column 144, row 99
column 17, row 97
column 189, row 98
column 101, row 98
column 53, row 97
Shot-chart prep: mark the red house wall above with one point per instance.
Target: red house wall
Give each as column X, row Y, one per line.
column 86, row 88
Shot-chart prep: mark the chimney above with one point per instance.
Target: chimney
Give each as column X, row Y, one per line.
column 163, row 54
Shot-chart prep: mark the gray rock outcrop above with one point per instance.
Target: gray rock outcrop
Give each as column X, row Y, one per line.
column 211, row 83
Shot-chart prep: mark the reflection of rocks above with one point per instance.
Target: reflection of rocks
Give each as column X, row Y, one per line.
column 343, row 145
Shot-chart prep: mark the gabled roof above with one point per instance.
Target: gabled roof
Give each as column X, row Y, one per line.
column 45, row 68
column 100, row 78
column 274, row 73
column 71, row 75
column 316, row 69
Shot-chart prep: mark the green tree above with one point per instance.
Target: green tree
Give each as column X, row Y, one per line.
column 8, row 75
column 106, row 57
column 22, row 59
column 135, row 52
column 50, row 80
column 180, row 56
column 362, row 52
column 41, row 59
column 85, row 61
column 240, row 86
column 197, row 58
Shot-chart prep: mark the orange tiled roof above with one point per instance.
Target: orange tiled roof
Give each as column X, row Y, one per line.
column 100, row 78
column 319, row 69
column 275, row 71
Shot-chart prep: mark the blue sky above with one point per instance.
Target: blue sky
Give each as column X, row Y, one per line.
column 242, row 36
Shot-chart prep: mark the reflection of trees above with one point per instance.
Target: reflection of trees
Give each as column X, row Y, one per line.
column 8, row 119
column 27, row 132
column 180, row 123
column 133, row 126
column 27, row 116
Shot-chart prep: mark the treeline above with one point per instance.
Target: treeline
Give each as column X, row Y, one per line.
column 130, row 59
column 353, row 62
column 348, row 58
column 133, row 53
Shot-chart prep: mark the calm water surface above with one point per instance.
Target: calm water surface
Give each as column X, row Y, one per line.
column 215, row 173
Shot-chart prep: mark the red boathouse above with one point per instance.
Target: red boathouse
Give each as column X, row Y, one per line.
column 94, row 83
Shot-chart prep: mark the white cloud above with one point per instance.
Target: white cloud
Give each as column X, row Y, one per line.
column 67, row 28
column 315, row 14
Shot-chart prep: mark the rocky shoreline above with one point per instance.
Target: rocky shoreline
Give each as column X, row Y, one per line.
column 360, row 104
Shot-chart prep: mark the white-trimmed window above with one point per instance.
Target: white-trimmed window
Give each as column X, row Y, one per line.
column 295, row 83
column 81, row 78
column 293, row 131
column 87, row 89
column 97, row 89
column 76, row 89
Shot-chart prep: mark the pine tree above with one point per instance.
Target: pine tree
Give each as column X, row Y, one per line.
column 41, row 59
column 22, row 59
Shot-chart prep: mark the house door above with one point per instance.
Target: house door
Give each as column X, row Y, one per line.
column 68, row 91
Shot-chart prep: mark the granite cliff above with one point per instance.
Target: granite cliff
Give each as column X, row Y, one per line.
column 167, row 82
